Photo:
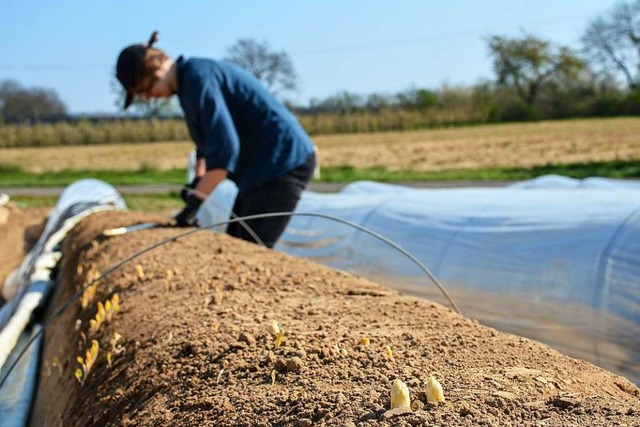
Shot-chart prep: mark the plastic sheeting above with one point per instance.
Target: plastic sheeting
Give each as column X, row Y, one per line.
column 29, row 287
column 554, row 259
column 17, row 394
column 76, row 201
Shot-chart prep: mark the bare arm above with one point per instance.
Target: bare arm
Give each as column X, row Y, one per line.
column 201, row 168
column 209, row 180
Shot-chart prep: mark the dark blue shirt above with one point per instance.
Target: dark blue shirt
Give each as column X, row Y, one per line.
column 237, row 124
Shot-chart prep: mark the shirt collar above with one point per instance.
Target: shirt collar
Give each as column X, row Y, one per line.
column 180, row 61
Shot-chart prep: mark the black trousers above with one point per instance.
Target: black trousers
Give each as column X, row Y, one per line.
column 279, row 195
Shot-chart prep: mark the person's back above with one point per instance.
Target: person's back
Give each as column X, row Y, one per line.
column 271, row 139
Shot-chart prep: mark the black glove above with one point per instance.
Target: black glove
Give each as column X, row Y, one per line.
column 187, row 217
column 187, row 189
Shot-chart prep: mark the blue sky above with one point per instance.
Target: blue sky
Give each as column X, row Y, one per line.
column 361, row 46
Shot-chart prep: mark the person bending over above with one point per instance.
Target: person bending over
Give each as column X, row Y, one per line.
column 240, row 131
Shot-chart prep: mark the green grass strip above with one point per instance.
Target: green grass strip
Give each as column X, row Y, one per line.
column 15, row 177
column 136, row 202
column 611, row 169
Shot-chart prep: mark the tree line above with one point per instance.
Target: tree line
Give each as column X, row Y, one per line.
column 534, row 78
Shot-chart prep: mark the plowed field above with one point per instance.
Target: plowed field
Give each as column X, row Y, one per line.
column 477, row 147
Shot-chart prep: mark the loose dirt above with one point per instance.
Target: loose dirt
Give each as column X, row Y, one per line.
column 17, row 234
column 197, row 349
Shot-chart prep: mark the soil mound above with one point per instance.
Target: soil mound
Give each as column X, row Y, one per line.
column 197, row 348
column 18, row 233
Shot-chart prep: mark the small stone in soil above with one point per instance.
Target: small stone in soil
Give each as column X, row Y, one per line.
column 247, row 338
column 401, row 410
column 565, row 401
column 294, row 364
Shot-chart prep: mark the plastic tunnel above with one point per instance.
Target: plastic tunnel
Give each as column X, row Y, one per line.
column 553, row 259
column 27, row 288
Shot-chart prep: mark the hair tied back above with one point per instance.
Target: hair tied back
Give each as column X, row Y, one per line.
column 153, row 39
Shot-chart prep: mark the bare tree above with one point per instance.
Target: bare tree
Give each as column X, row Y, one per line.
column 613, row 41
column 527, row 63
column 19, row 104
column 274, row 69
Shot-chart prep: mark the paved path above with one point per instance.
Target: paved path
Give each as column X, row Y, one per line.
column 323, row 187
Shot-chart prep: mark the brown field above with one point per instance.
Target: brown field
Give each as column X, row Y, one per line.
column 509, row 145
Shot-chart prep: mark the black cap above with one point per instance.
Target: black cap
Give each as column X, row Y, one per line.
column 130, row 64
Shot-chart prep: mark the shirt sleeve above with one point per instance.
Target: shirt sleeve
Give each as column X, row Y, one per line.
column 194, row 133
column 221, row 145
